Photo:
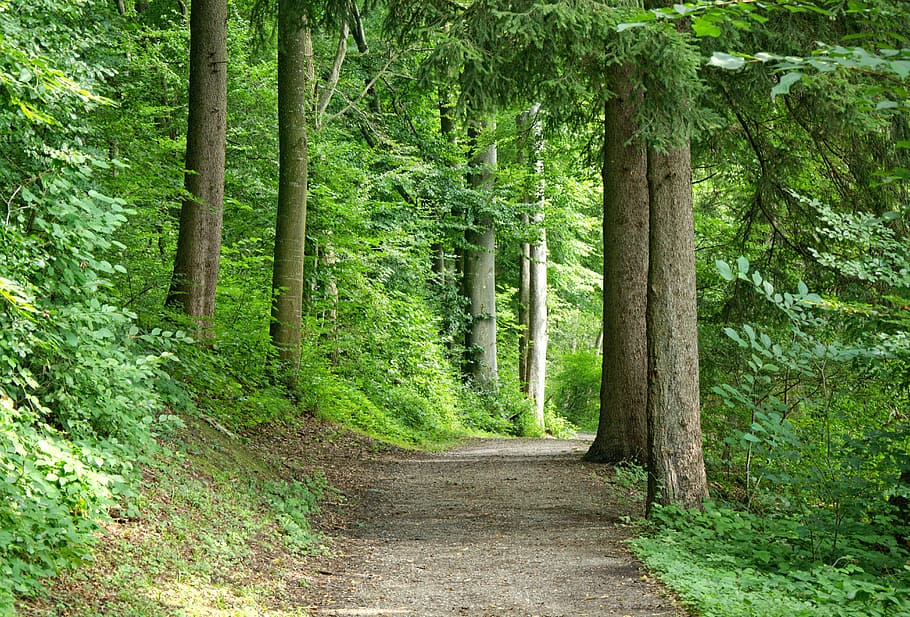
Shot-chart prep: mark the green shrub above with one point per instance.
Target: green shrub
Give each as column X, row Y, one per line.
column 725, row 562
column 575, row 389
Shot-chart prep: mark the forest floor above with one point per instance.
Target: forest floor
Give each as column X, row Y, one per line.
column 490, row 528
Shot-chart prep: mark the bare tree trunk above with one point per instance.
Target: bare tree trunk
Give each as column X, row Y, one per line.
column 479, row 280
column 676, row 464
column 537, row 275
column 524, row 301
column 325, row 96
column 622, row 430
column 199, row 241
column 442, row 265
column 295, row 93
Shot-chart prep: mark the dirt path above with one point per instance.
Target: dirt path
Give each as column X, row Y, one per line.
column 496, row 528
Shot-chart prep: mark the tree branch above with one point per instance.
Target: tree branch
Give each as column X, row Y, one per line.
column 331, row 83
column 366, row 89
column 359, row 35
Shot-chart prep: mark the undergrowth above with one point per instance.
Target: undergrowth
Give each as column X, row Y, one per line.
column 728, row 563
column 216, row 531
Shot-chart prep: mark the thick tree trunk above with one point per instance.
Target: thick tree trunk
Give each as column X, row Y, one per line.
column 479, row 279
column 676, row 464
column 199, row 241
column 622, row 430
column 295, row 93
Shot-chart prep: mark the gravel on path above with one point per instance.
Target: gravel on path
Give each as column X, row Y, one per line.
column 494, row 528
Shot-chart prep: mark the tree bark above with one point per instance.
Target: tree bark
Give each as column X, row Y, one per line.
column 524, row 301
column 676, row 464
column 199, row 240
column 622, row 432
column 295, row 93
column 479, row 279
column 537, row 262
column 441, row 264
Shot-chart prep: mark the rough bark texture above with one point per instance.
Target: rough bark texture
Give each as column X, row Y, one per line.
column 622, row 431
column 295, row 93
column 199, row 240
column 676, row 468
column 479, row 280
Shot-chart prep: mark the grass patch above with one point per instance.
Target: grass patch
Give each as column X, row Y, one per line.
column 218, row 533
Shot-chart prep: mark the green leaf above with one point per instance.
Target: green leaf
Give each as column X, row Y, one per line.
column 723, row 268
column 742, row 264
column 785, row 83
column 629, row 26
column 726, row 61
column 734, row 335
column 901, row 67
column 706, row 27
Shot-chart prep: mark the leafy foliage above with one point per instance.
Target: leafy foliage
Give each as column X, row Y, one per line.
column 80, row 405
column 766, row 566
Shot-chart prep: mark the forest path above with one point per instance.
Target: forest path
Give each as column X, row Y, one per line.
column 494, row 528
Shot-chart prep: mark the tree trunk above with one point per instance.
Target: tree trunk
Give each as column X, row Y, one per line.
column 676, row 471
column 622, row 430
column 199, row 241
column 537, row 321
column 479, row 279
column 441, row 261
column 537, row 261
column 295, row 93
column 524, row 301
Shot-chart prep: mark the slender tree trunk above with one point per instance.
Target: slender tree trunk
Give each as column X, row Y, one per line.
column 442, row 265
column 622, row 430
column 537, row 320
column 295, row 93
column 537, row 275
column 479, row 279
column 524, row 301
column 199, row 241
column 676, row 464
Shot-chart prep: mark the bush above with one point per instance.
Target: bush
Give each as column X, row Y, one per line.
column 767, row 567
column 575, row 389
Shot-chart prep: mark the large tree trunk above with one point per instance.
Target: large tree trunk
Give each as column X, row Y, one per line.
column 622, row 432
column 199, row 240
column 295, row 93
column 479, row 279
column 676, row 465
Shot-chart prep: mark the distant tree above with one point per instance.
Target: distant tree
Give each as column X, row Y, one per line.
column 533, row 277
column 479, row 276
column 199, row 242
